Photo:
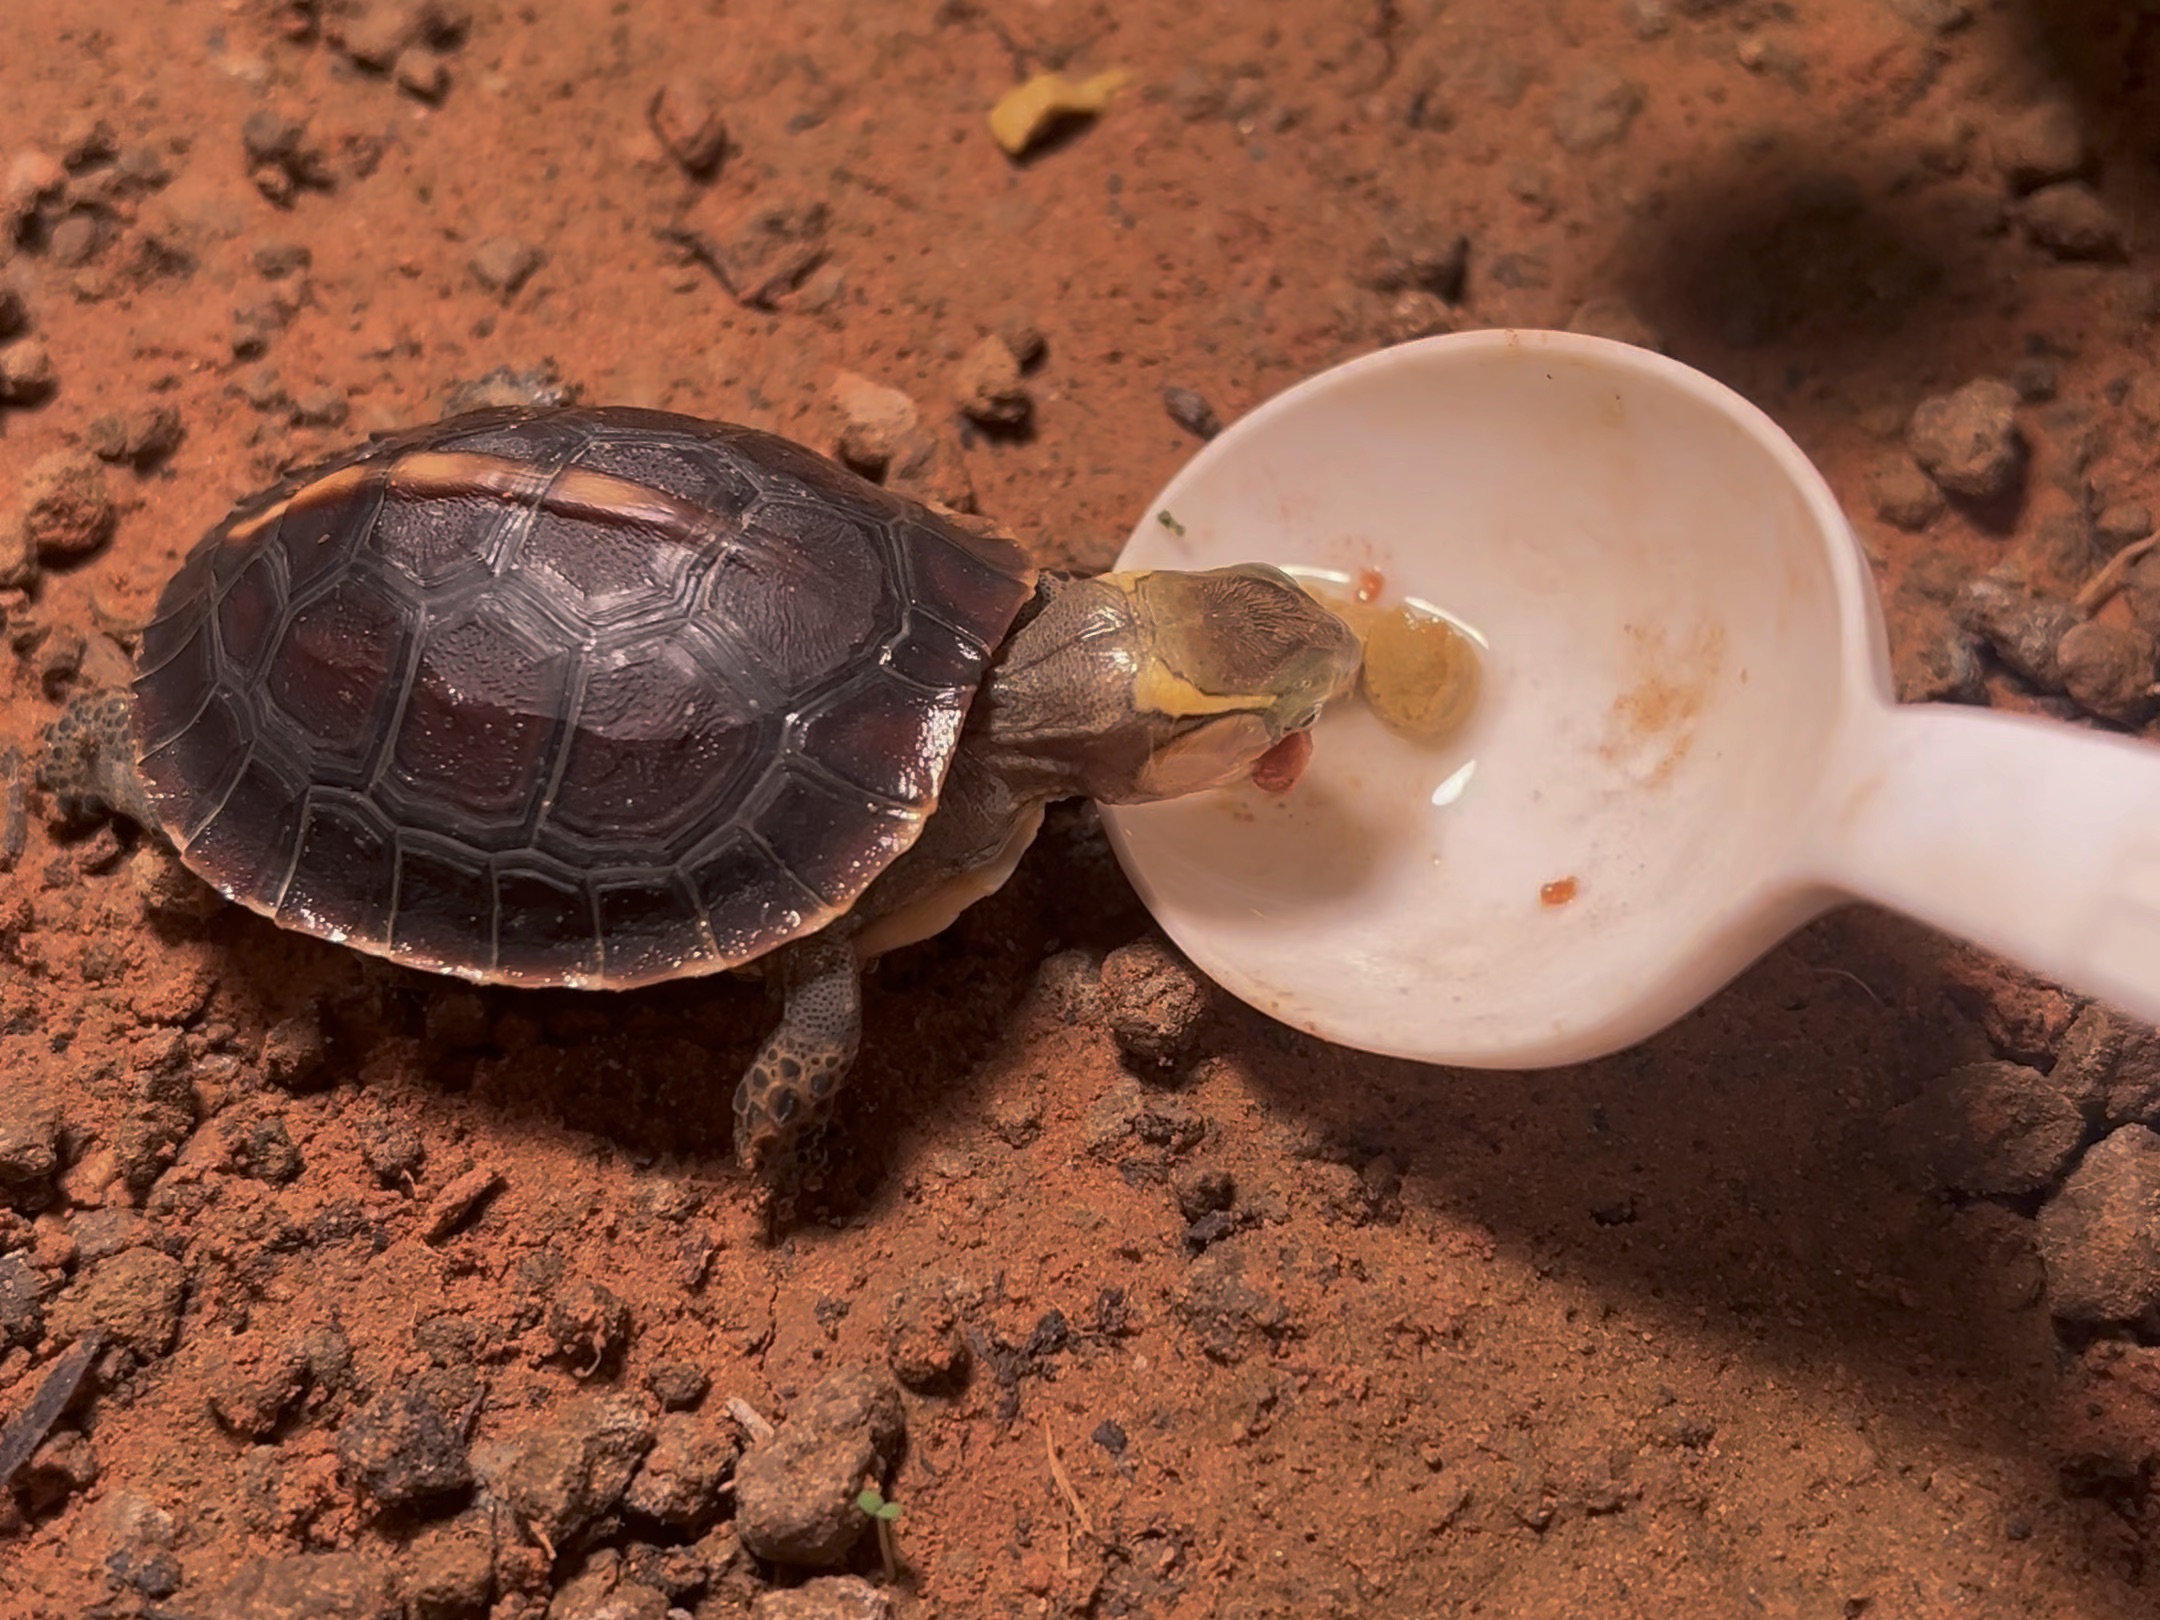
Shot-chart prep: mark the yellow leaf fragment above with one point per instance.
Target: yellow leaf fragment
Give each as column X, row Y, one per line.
column 1027, row 112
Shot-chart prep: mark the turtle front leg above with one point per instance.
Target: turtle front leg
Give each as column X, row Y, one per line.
column 786, row 1094
column 89, row 760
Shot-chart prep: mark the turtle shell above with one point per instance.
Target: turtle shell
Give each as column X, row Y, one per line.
column 590, row 697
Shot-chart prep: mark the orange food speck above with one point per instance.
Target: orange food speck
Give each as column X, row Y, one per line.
column 1370, row 583
column 1558, row 892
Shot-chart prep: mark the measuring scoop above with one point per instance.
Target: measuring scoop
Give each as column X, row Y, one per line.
column 1686, row 744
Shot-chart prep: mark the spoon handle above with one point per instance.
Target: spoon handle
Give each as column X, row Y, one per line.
column 2034, row 839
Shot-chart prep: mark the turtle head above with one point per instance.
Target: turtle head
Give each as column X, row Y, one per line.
column 1151, row 684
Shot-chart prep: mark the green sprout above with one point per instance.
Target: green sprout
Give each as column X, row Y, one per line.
column 871, row 1503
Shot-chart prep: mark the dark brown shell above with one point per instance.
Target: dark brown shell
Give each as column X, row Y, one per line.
column 576, row 697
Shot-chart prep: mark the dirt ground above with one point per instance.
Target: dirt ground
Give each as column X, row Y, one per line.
column 1841, row 1298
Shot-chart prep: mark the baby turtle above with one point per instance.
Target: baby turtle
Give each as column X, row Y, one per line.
column 598, row 697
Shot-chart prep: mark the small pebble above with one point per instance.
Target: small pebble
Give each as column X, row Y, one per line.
column 1030, row 111
column 677, row 1385
column 139, row 438
column 988, row 387
column 26, row 371
column 422, row 74
column 795, row 1493
column 1418, row 257
column 685, row 115
column 1967, row 441
column 1904, row 495
column 2122, row 523
column 924, row 1342
column 503, row 264
column 1191, row 411
column 589, row 1326
column 2107, row 670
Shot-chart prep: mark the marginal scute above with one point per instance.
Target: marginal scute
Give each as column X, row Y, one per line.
column 573, row 697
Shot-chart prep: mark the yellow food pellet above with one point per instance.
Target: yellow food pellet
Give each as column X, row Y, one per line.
column 1421, row 675
column 1025, row 113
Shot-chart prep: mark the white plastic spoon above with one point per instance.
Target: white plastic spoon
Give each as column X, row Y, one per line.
column 1686, row 746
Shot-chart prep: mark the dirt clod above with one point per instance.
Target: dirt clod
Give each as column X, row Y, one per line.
column 829, row 1597
column 988, row 385
column 503, row 264
column 66, row 510
column 1968, row 441
column 448, row 1574
column 1155, row 1004
column 685, row 115
column 26, row 371
column 677, row 1385
column 2108, row 669
column 566, row 1476
column 2043, row 144
column 407, row 1447
column 589, row 1327
column 1904, row 495
column 795, row 1493
column 2072, row 222
column 1990, row 1128
column 133, row 1300
column 680, row 1484
column 2100, row 1235
column 311, row 1586
column 29, row 1147
column 924, row 1341
column 1595, row 109
column 459, row 1201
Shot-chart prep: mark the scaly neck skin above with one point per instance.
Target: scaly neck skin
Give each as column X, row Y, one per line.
column 1054, row 718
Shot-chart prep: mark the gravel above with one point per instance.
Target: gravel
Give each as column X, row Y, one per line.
column 795, row 1493
column 2100, row 1236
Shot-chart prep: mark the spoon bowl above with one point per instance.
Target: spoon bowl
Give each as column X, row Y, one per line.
column 1685, row 745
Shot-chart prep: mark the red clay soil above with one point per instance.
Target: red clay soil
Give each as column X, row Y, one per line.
column 1753, row 1320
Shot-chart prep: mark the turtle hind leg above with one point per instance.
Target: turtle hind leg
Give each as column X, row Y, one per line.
column 88, row 760
column 786, row 1094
